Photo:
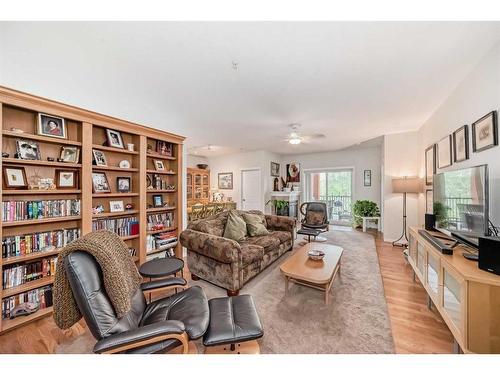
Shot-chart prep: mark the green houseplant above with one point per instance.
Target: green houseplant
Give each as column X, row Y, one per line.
column 364, row 208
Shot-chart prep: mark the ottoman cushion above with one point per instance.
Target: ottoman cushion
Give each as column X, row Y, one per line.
column 232, row 320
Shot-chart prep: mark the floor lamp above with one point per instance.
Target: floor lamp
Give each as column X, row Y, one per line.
column 405, row 185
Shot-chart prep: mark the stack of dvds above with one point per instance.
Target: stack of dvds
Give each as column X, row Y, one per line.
column 41, row 297
column 37, row 242
column 16, row 275
column 163, row 241
column 31, row 210
column 127, row 226
column 160, row 221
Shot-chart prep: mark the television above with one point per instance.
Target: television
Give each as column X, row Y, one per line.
column 461, row 202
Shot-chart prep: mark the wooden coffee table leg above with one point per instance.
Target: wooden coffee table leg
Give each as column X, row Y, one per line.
column 327, row 292
column 286, row 286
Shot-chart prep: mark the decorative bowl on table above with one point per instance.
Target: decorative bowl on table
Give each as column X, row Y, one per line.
column 316, row 254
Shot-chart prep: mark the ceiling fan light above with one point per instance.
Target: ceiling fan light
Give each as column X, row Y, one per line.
column 294, row 141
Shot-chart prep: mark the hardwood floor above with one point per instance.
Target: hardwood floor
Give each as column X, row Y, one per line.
column 415, row 328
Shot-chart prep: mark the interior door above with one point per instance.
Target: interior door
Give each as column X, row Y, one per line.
column 250, row 190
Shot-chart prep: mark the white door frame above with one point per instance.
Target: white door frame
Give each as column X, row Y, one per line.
column 261, row 197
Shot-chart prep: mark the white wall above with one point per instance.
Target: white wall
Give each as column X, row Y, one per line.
column 192, row 160
column 400, row 158
column 475, row 96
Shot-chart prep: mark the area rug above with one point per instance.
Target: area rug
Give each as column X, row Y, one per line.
column 355, row 320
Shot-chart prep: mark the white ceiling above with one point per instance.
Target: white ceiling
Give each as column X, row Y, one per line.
column 351, row 81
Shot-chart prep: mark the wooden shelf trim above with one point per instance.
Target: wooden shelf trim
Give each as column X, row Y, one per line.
column 161, row 191
column 114, row 195
column 38, row 192
column 39, row 221
column 29, row 257
column 41, row 163
column 126, row 238
column 160, row 209
column 8, row 324
column 40, row 138
column 163, row 157
column 169, row 229
column 28, row 286
column 109, row 168
column 154, row 171
column 114, row 149
column 115, row 214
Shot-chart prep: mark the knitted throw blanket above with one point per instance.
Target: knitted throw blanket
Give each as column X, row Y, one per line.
column 121, row 279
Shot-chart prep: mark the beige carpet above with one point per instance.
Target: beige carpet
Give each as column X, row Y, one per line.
column 355, row 321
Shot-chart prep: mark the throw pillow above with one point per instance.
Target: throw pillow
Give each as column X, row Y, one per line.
column 314, row 217
column 236, row 228
column 255, row 226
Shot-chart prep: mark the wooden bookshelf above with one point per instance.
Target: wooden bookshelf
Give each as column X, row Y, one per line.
column 86, row 131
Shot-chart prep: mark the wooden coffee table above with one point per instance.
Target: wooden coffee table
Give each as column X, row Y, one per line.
column 317, row 274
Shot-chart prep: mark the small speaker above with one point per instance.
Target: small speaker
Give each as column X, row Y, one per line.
column 489, row 254
column 430, row 221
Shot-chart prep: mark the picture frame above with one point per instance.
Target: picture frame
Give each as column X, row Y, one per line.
column 293, row 172
column 430, row 164
column 225, row 180
column 367, row 177
column 123, row 184
column 164, row 148
column 14, row 178
column 461, row 144
column 116, row 206
column 70, row 154
column 158, row 164
column 114, row 138
column 485, row 132
column 275, row 169
column 66, row 179
column 27, row 150
column 100, row 183
column 51, row 126
column 444, row 158
column 157, row 200
column 99, row 158
column 429, row 201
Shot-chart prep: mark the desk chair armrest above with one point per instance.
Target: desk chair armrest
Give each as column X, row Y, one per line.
column 142, row 336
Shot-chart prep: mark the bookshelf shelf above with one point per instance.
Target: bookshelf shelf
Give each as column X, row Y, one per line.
column 41, row 163
column 169, row 229
column 161, row 191
column 160, row 209
column 114, row 195
column 127, row 238
column 28, row 286
column 39, row 192
column 29, row 257
column 156, row 251
column 40, row 221
column 115, row 214
column 8, row 324
column 161, row 157
column 114, row 149
column 40, row 138
column 154, row 171
column 108, row 168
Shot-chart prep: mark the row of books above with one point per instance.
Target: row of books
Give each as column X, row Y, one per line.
column 16, row 275
column 37, row 242
column 160, row 221
column 41, row 297
column 162, row 241
column 31, row 210
column 127, row 226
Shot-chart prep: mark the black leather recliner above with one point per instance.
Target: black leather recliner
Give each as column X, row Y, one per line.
column 147, row 328
column 315, row 215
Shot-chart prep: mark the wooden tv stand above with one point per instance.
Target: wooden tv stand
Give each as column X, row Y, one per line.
column 467, row 298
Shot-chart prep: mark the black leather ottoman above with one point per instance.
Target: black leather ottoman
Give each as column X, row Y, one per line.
column 234, row 326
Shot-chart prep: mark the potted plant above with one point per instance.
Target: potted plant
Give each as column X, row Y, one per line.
column 364, row 208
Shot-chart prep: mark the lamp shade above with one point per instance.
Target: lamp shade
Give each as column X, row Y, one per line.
column 406, row 185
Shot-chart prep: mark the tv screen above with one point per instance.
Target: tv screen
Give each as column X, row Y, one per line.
column 461, row 201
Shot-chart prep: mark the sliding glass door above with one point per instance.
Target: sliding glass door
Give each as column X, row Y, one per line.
column 334, row 187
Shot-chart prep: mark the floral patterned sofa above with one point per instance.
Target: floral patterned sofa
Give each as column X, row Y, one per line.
column 230, row 264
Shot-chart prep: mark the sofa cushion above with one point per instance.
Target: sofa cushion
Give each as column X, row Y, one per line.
column 236, row 228
column 251, row 254
column 268, row 242
column 214, row 225
column 255, row 224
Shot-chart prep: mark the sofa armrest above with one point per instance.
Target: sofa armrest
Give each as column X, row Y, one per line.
column 221, row 249
column 283, row 223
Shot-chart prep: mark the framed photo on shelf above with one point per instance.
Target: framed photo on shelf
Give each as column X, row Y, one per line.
column 116, row 206
column 159, row 166
column 461, row 144
column 70, row 154
column 275, row 169
column 225, row 180
column 485, row 132
column 367, row 177
column 429, row 200
column 15, row 178
column 157, row 200
column 114, row 138
column 164, row 148
column 66, row 179
column 27, row 150
column 123, row 184
column 51, row 126
column 430, row 164
column 100, row 183
column 99, row 158
column 444, row 152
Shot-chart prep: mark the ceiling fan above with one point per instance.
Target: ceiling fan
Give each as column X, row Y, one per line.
column 295, row 137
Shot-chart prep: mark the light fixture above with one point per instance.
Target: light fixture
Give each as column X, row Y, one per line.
column 294, row 141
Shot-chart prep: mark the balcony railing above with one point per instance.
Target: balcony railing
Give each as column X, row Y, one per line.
column 339, row 207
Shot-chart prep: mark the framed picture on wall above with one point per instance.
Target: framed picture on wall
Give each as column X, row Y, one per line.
column 293, row 172
column 429, row 199
column 444, row 152
column 430, row 163
column 51, row 126
column 225, row 180
column 367, row 177
column 485, row 132
column 461, row 144
column 275, row 169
